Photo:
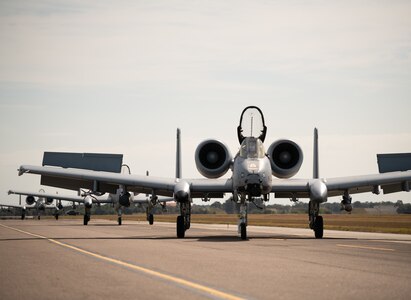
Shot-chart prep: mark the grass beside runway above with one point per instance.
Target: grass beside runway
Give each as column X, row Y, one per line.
column 345, row 222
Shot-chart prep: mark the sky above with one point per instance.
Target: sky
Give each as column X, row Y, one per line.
column 121, row 76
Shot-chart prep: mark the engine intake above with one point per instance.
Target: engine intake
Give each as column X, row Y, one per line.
column 30, row 200
column 286, row 158
column 49, row 200
column 213, row 159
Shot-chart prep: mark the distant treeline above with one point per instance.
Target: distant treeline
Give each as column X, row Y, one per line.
column 258, row 207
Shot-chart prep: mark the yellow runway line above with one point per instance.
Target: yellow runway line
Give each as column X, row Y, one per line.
column 183, row 282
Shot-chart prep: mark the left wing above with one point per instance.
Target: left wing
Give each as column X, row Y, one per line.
column 390, row 182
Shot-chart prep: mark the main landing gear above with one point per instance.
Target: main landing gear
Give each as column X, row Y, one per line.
column 86, row 219
column 119, row 214
column 150, row 219
column 316, row 221
column 149, row 215
column 87, row 215
column 183, row 221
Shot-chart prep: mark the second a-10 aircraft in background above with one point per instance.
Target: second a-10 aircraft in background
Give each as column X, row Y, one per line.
column 255, row 173
column 45, row 200
column 41, row 204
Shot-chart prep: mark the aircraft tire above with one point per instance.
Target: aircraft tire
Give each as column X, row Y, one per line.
column 243, row 231
column 150, row 219
column 57, row 217
column 319, row 227
column 119, row 221
column 85, row 220
column 180, row 227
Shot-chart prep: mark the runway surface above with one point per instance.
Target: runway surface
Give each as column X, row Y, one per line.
column 63, row 259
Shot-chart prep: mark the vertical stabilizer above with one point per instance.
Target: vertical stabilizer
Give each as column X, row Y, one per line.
column 316, row 173
column 178, row 155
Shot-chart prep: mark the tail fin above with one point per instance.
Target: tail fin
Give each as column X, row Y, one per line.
column 178, row 155
column 316, row 172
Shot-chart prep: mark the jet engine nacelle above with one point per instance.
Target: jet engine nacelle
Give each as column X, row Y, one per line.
column 286, row 158
column 30, row 200
column 213, row 159
column 49, row 200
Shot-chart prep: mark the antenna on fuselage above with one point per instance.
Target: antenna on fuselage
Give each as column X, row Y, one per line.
column 252, row 119
column 316, row 172
column 178, row 154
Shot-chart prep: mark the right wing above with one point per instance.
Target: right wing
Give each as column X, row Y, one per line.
column 108, row 182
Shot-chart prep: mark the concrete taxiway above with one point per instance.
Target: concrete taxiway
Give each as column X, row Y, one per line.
column 63, row 259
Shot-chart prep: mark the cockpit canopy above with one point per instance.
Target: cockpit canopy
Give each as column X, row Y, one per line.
column 252, row 147
column 251, row 124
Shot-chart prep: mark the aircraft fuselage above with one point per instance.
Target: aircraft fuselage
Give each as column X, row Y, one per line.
column 252, row 169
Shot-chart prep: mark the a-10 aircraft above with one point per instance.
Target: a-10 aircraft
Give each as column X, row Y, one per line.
column 45, row 200
column 255, row 173
column 42, row 203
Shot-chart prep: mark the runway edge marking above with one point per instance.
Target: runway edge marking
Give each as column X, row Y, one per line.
column 180, row 281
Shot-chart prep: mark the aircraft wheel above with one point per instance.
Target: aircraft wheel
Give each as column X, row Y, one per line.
column 243, row 229
column 85, row 220
column 319, row 227
column 180, row 227
column 57, row 217
column 23, row 217
column 38, row 217
column 150, row 219
column 119, row 220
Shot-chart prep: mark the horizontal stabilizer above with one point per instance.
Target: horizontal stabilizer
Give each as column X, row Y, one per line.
column 394, row 162
column 88, row 161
